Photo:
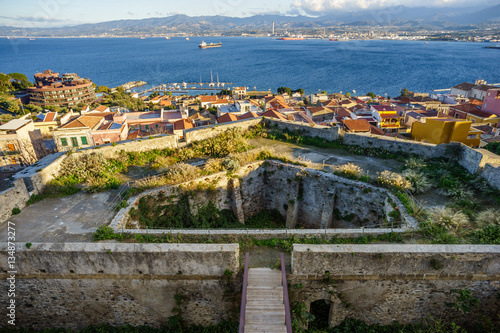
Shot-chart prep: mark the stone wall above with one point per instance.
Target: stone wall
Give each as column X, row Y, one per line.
column 306, row 197
column 473, row 160
column 156, row 142
column 15, row 196
column 393, row 282
column 427, row 150
column 324, row 132
column 75, row 285
column 206, row 132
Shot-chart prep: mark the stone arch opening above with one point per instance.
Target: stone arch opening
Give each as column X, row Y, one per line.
column 320, row 309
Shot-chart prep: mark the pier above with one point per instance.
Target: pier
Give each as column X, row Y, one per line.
column 186, row 87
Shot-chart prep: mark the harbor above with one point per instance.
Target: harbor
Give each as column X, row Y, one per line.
column 185, row 87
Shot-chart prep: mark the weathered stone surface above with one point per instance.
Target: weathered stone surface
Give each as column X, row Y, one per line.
column 391, row 282
column 311, row 198
column 206, row 132
column 15, row 196
column 75, row 285
column 324, row 132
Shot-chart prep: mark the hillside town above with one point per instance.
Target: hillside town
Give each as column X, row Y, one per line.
column 65, row 112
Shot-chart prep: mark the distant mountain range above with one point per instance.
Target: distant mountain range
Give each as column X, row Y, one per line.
column 183, row 24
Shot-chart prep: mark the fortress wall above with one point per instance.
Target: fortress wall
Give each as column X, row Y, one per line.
column 74, row 285
column 210, row 131
column 324, row 132
column 15, row 196
column 383, row 283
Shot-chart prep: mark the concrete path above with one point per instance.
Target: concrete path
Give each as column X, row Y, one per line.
column 67, row 219
column 265, row 311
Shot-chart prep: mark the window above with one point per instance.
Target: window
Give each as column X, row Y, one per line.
column 11, row 147
column 74, row 141
column 64, row 142
column 146, row 127
column 156, row 125
column 84, row 140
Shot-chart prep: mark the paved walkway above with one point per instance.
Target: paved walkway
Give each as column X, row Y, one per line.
column 68, row 219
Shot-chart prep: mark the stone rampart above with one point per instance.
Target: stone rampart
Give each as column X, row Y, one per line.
column 13, row 197
column 324, row 132
column 155, row 142
column 210, row 131
column 74, row 285
column 394, row 282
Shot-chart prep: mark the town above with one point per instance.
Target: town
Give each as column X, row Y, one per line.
column 65, row 112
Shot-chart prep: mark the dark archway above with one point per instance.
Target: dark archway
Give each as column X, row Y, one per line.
column 320, row 309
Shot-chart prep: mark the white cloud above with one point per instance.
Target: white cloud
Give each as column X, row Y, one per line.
column 342, row 5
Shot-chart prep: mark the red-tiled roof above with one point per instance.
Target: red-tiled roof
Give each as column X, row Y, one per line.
column 356, row 125
column 206, row 99
column 375, row 130
column 227, row 117
column 182, row 124
column 50, row 116
column 482, row 114
column 101, row 108
column 248, row 115
column 382, row 108
column 273, row 114
column 84, row 121
column 389, row 116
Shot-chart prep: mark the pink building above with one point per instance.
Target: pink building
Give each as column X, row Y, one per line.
column 492, row 102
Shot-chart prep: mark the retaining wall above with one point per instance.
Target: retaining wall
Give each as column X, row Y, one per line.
column 394, row 282
column 15, row 196
column 157, row 142
column 74, row 285
column 206, row 132
column 324, row 132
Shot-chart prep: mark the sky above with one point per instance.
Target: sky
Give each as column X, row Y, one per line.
column 50, row 13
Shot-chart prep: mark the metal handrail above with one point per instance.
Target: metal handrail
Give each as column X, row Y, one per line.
column 286, row 301
column 244, row 295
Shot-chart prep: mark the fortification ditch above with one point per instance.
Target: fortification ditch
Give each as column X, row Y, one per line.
column 305, row 198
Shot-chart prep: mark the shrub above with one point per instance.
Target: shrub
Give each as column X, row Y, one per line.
column 214, row 165
column 349, row 170
column 488, row 217
column 393, row 179
column 449, row 218
column 150, row 182
column 181, row 172
column 414, row 163
column 419, row 182
column 80, row 167
column 231, row 163
column 16, row 210
column 103, row 232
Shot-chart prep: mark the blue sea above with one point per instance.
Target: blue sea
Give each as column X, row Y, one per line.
column 379, row 66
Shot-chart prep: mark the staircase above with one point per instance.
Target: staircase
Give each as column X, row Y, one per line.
column 265, row 311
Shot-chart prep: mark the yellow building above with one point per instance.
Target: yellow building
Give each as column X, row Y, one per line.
column 446, row 130
column 479, row 116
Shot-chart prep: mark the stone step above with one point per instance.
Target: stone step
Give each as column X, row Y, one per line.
column 265, row 328
column 265, row 306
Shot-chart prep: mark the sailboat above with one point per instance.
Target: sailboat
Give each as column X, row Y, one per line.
column 201, row 84
column 218, row 83
column 211, row 84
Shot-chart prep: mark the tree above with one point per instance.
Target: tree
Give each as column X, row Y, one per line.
column 5, row 117
column 102, row 89
column 154, row 94
column 404, row 92
column 20, row 81
column 225, row 92
column 348, row 95
column 169, row 94
column 33, row 108
column 324, row 92
column 283, row 90
column 300, row 91
column 372, row 95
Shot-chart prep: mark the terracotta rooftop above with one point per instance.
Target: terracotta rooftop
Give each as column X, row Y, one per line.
column 248, row 115
column 84, row 121
column 482, row 114
column 101, row 108
column 182, row 124
column 356, row 125
column 375, row 130
column 227, row 117
column 50, row 116
column 273, row 114
column 206, row 99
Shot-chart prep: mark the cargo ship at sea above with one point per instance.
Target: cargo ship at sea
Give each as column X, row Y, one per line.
column 204, row 45
column 290, row 38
